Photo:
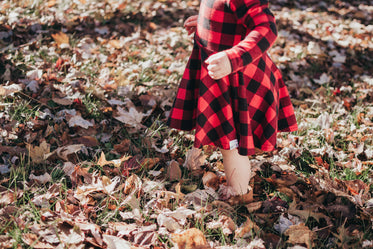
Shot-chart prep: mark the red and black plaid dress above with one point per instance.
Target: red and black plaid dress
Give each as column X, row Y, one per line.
column 250, row 105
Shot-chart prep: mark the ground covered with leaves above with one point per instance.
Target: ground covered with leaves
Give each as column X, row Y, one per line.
column 87, row 161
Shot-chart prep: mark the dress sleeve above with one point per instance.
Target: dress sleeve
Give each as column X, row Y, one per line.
column 256, row 17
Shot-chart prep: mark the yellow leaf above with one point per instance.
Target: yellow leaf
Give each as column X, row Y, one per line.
column 61, row 38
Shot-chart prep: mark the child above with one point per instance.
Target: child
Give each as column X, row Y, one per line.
column 231, row 91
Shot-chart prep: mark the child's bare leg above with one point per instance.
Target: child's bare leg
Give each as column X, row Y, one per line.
column 237, row 170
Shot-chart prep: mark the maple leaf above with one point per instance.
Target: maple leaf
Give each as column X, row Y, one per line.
column 81, row 122
column 131, row 118
column 61, row 39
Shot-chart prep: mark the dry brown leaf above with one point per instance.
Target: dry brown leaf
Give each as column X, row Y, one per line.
column 116, row 162
column 254, row 206
column 94, row 229
column 43, row 179
column 80, row 122
column 132, row 185
column 9, row 90
column 34, row 241
column 7, row 198
column 113, row 242
column 149, row 163
column 61, row 39
column 225, row 223
column 300, row 234
column 210, row 180
column 190, row 239
column 6, row 241
column 65, row 151
column 246, row 228
column 123, row 147
column 116, row 44
column 88, row 141
column 131, row 118
column 173, row 171
column 174, row 220
column 286, row 179
column 194, row 160
column 305, row 213
column 51, row 3
column 38, row 154
column 63, row 101
column 242, row 199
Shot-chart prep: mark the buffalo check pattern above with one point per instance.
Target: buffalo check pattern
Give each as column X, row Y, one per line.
column 251, row 104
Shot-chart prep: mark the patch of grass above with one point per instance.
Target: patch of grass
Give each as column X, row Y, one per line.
column 22, row 110
column 303, row 162
column 93, row 106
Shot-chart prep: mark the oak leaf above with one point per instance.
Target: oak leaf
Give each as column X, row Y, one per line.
column 131, row 118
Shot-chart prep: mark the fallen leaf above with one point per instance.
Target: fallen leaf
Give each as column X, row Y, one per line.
column 123, row 147
column 63, row 101
column 132, row 118
column 194, row 160
column 6, row 198
column 34, row 241
column 246, row 229
column 6, row 241
column 225, row 223
column 38, row 154
column 132, row 185
column 116, row 162
column 300, row 234
column 149, row 163
column 10, row 90
column 114, row 242
column 81, row 122
column 210, row 180
column 61, row 39
column 43, row 179
column 173, row 171
column 189, row 239
column 65, row 151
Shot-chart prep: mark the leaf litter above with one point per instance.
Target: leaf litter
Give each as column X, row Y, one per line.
column 86, row 160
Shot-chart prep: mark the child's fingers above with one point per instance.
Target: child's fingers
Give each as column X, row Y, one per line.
column 191, row 21
column 190, row 30
column 218, row 65
column 213, row 68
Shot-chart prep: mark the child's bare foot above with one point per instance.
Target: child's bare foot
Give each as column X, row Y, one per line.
column 226, row 192
column 237, row 170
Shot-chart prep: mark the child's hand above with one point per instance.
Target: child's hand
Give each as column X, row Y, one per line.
column 190, row 24
column 219, row 65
